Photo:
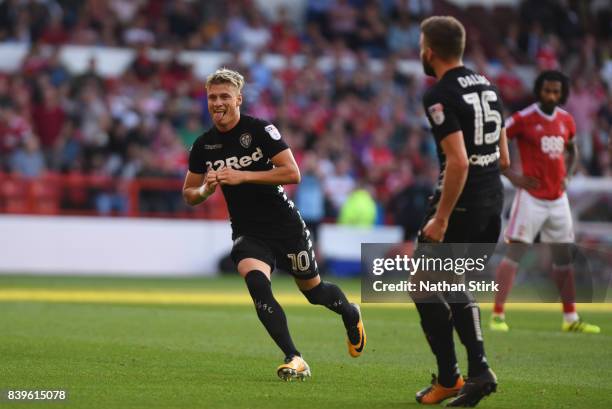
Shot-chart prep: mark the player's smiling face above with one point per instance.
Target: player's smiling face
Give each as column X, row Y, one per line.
column 550, row 95
column 224, row 105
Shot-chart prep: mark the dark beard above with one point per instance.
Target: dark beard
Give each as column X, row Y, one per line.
column 548, row 109
column 428, row 69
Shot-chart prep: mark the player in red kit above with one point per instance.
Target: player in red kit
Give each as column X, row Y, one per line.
column 544, row 134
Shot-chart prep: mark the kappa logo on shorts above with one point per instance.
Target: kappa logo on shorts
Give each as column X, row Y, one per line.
column 245, row 140
column 437, row 113
column 273, row 132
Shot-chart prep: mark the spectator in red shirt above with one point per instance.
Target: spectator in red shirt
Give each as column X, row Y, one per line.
column 13, row 128
column 54, row 33
column 35, row 61
column 285, row 35
column 48, row 118
column 143, row 66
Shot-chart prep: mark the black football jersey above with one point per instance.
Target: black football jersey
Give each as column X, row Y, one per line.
column 465, row 101
column 255, row 209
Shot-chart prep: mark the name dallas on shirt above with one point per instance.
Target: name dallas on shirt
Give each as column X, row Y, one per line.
column 473, row 79
column 235, row 162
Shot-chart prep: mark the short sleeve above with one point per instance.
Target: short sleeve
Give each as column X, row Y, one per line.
column 441, row 115
column 197, row 159
column 272, row 142
column 513, row 126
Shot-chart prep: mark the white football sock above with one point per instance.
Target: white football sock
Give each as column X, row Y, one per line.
column 570, row 317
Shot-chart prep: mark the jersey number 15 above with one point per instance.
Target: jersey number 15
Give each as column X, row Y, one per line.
column 483, row 113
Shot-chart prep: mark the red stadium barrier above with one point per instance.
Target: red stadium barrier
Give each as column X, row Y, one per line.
column 94, row 195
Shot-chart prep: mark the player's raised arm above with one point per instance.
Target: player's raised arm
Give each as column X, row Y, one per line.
column 198, row 187
column 455, row 175
column 285, row 172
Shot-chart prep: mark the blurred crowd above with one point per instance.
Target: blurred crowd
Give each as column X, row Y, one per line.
column 360, row 136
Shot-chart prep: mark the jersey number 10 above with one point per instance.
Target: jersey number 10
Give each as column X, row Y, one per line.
column 299, row 261
column 483, row 113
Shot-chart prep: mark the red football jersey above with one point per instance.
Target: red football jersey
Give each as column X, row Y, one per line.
column 541, row 140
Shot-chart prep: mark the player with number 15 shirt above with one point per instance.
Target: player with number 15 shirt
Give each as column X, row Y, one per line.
column 463, row 100
column 465, row 113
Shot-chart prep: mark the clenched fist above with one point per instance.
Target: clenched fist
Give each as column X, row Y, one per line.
column 230, row 176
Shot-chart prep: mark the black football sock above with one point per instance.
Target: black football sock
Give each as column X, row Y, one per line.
column 438, row 327
column 332, row 297
column 269, row 311
column 466, row 319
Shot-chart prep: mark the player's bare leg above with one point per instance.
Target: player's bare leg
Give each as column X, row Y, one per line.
column 562, row 273
column 504, row 276
column 256, row 274
column 329, row 295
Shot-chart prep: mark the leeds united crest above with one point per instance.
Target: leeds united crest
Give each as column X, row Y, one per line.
column 245, row 140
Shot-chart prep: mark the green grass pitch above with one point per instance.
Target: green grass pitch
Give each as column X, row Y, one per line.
column 168, row 354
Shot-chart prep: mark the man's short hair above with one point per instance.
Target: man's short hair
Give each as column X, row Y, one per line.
column 552, row 75
column 445, row 35
column 225, row 76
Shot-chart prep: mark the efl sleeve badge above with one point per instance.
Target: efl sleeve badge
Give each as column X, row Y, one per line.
column 436, row 111
column 273, row 132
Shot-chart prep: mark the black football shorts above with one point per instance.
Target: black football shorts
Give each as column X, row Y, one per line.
column 294, row 255
column 474, row 224
column 478, row 228
column 472, row 233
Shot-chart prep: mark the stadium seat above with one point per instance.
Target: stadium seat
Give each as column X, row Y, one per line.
column 43, row 197
column 14, row 194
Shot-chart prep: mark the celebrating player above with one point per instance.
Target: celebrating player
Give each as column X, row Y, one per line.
column 249, row 160
column 465, row 114
column 544, row 133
